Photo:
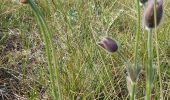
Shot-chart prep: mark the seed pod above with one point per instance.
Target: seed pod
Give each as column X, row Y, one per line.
column 108, row 44
column 143, row 2
column 149, row 13
column 23, row 1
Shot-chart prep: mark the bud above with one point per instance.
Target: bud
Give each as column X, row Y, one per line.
column 108, row 44
column 149, row 13
column 23, row 1
column 133, row 73
column 143, row 2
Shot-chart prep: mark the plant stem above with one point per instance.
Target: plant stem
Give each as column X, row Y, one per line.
column 157, row 50
column 133, row 85
column 132, row 96
column 149, row 69
column 137, row 36
column 49, row 44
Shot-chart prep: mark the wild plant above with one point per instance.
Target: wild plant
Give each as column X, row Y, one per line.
column 153, row 13
column 152, row 18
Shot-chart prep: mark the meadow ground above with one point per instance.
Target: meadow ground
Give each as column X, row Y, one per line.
column 86, row 71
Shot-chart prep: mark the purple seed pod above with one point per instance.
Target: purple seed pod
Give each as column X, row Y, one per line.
column 108, row 44
column 149, row 13
column 143, row 2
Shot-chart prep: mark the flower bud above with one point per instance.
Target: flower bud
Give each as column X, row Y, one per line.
column 108, row 44
column 149, row 14
column 143, row 2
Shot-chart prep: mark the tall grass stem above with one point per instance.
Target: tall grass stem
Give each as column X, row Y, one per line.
column 157, row 50
column 132, row 97
column 137, row 34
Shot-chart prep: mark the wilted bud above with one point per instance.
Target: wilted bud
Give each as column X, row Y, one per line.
column 143, row 2
column 149, row 14
column 133, row 73
column 108, row 44
column 23, row 1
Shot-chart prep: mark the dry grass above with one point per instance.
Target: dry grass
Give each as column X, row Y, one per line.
column 86, row 71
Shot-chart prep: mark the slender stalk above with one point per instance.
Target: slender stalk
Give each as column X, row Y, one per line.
column 137, row 35
column 49, row 44
column 133, row 85
column 157, row 50
column 149, row 69
column 132, row 96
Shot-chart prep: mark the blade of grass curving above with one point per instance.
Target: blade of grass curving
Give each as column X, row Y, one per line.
column 47, row 37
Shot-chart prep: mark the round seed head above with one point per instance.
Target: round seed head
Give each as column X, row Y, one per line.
column 149, row 20
column 23, row 1
column 108, row 44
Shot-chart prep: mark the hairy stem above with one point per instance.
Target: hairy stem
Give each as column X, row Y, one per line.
column 149, row 69
column 132, row 96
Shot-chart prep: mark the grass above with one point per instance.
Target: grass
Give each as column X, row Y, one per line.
column 86, row 71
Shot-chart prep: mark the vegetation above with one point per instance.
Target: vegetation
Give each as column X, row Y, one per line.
column 49, row 50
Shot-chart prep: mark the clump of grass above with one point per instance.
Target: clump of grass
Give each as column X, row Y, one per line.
column 85, row 72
